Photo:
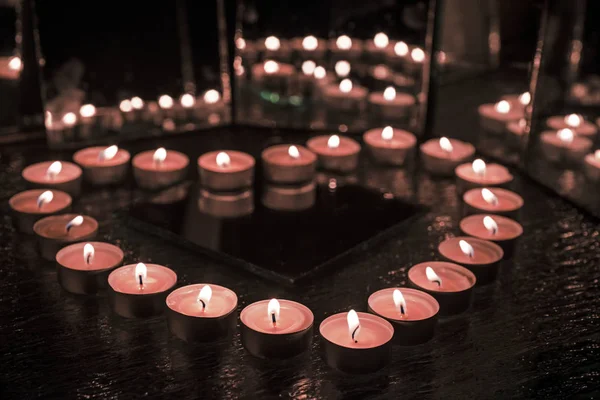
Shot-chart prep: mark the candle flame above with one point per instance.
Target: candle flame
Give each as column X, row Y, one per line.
column 502, row 106
column 490, row 224
column 432, row 276
column 597, row 154
column 466, row 248
column 87, row 110
column 77, row 221
column 204, row 296
column 387, row 133
column 45, row 198
column 389, row 93
column 137, row 103
column 353, row 325
column 417, row 54
column 15, row 63
column 320, row 72
column 346, row 86
column 240, row 43
column 479, row 167
column 88, row 253
column 223, row 159
column 271, row 67
column 566, row 135
column 159, row 155
column 381, row 40
column 54, row 169
column 344, row 42
column 165, row 101
column 272, row 43
column 333, row 142
column 69, row 119
column 525, row 98
column 125, row 106
column 489, row 197
column 294, row 152
column 342, row 68
column 273, row 310
column 573, row 120
column 401, row 49
column 446, row 145
column 141, row 272
column 187, row 100
column 108, row 153
column 310, row 43
column 399, row 301
column 212, row 96
column 308, row 67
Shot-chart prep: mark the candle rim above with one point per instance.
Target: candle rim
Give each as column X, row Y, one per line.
column 318, row 145
column 169, row 271
column 99, row 247
column 306, row 156
column 139, row 157
column 515, row 203
column 25, row 195
column 411, row 293
column 195, row 289
column 30, row 173
column 494, row 249
column 500, row 220
column 282, row 302
column 121, row 157
column 465, row 171
column 437, row 265
column 206, row 161
column 363, row 317
column 64, row 219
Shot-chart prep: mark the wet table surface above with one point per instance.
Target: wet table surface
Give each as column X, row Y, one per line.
column 535, row 332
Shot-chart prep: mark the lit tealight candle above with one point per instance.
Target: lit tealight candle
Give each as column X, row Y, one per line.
column 357, row 342
column 273, row 76
column 187, row 100
column 308, row 67
column 493, row 201
column 30, row 206
column 482, row 257
column 478, row 173
column 592, row 166
column 564, row 146
column 494, row 117
column 345, row 97
column 389, row 145
column 272, row 43
column 390, row 104
column 335, row 153
column 401, row 49
column 575, row 122
column 226, row 170
column 450, row 284
column 380, row 41
column 57, row 231
column 342, row 69
column 412, row 313
column 59, row 175
column 137, row 103
column 160, row 168
column 83, row 268
column 140, row 290
column 442, row 156
column 501, row 230
column 87, row 114
column 103, row 165
column 285, row 164
column 309, row 46
column 276, row 328
column 201, row 312
column 345, row 47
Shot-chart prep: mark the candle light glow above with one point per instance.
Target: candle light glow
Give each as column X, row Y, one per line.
column 159, row 155
column 88, row 253
column 502, row 106
column 272, row 43
column 445, row 145
column 466, row 248
column 344, row 42
column 320, row 72
column 293, row 152
column 137, row 103
column 566, row 135
column 273, row 311
column 141, row 273
column 417, row 54
column 165, row 101
column 223, row 159
column 87, row 110
column 53, row 170
column 597, row 155
column 479, row 167
column 573, row 120
column 308, row 67
column 271, row 67
column 187, row 100
column 401, row 49
column 69, row 119
column 204, row 296
column 44, row 198
column 399, row 302
column 15, row 63
column 77, row 221
column 310, row 43
column 389, row 93
column 346, row 86
column 432, row 276
column 333, row 142
column 108, row 153
column 489, row 197
column 387, row 133
column 125, row 106
column 525, row 98
column 381, row 40
column 490, row 224
column 212, row 96
column 353, row 325
column 342, row 68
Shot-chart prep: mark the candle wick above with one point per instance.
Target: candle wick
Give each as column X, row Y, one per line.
column 203, row 304
column 273, row 318
column 141, row 280
column 438, row 282
column 354, row 333
column 88, row 259
column 402, row 311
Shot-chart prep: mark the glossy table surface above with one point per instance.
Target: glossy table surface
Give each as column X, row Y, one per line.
column 535, row 332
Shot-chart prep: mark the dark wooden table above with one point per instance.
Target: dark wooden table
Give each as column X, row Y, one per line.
column 535, row 332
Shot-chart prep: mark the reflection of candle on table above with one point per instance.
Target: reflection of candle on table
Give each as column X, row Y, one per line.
column 226, row 170
column 57, row 231
column 345, row 96
column 226, row 205
column 450, row 284
column 478, row 173
column 412, row 313
column 335, row 153
column 159, row 169
column 201, row 312
column 391, row 105
column 30, row 206
column 591, row 166
column 103, row 165
column 501, row 230
column 276, row 328
column 289, row 198
column 357, row 342
column 83, row 268
column 493, row 201
column 59, row 175
column 442, row 156
column 574, row 122
column 389, row 145
column 564, row 146
column 482, row 257
column 494, row 117
column 288, row 164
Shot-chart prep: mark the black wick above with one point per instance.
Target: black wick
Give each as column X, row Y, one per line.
column 88, row 259
column 354, row 333
column 438, row 282
column 141, row 280
column 273, row 318
column 402, row 309
column 203, row 303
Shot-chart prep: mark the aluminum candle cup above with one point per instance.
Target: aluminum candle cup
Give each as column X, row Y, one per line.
column 103, row 165
column 357, row 342
column 442, row 156
column 30, row 206
column 201, row 312
column 493, row 201
column 83, row 268
column 412, row 313
column 288, row 164
column 480, row 174
column 130, row 299
column 480, row 256
column 57, row 231
column 158, row 169
column 276, row 328
column 289, row 198
column 450, row 284
column 335, row 153
column 226, row 170
column 226, row 205
column 501, row 230
column 59, row 175
column 390, row 146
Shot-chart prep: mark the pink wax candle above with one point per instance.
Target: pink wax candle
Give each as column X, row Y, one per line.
column 591, row 166
column 493, row 201
column 357, row 342
column 226, row 170
column 276, row 328
column 564, row 146
column 30, row 206
column 389, row 104
column 226, row 205
column 494, row 117
column 482, row 257
column 345, row 97
column 335, row 153
column 309, row 47
column 59, row 175
column 274, row 47
column 57, row 231
column 574, row 122
column 389, row 145
column 288, row 164
column 450, row 284
column 157, row 169
column 345, row 47
column 140, row 290
column 289, row 198
column 103, row 165
column 201, row 312
column 501, row 230
column 478, row 174
column 442, row 156
column 412, row 313
column 83, row 268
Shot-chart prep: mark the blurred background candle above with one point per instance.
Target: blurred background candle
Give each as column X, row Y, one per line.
column 478, row 174
column 442, row 156
column 30, row 206
column 482, row 257
column 564, row 146
column 518, row 101
column 345, row 97
column 574, row 122
column 87, row 119
column 345, row 47
column 103, row 165
column 57, row 231
column 389, row 145
column 494, row 117
column 159, row 168
column 335, row 153
column 391, row 105
column 309, row 47
column 273, row 76
column 59, row 175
